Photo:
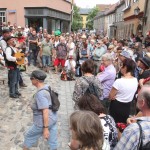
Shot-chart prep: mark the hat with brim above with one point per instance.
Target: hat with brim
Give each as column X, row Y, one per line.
column 125, row 54
column 9, row 38
column 38, row 74
column 146, row 61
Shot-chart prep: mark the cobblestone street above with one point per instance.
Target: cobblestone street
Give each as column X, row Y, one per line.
column 16, row 115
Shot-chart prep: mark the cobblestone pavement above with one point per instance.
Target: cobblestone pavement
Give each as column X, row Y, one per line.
column 16, row 115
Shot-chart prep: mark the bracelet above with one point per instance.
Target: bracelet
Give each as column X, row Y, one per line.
column 45, row 126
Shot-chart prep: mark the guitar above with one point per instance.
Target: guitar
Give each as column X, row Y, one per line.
column 19, row 55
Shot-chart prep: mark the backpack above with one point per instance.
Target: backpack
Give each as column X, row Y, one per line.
column 92, row 89
column 54, row 98
column 140, row 145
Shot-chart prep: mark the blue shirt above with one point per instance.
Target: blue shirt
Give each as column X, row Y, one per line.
column 42, row 100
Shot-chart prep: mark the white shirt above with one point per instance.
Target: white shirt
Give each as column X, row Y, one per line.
column 9, row 53
column 68, row 66
column 71, row 49
column 56, row 43
column 3, row 44
column 126, row 89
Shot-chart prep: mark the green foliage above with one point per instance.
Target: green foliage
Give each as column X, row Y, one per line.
column 90, row 18
column 77, row 19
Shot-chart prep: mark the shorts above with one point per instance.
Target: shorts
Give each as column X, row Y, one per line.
column 35, row 132
column 59, row 61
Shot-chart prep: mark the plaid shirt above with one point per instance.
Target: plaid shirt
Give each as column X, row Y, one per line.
column 130, row 136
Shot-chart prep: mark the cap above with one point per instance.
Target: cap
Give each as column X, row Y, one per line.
column 111, row 47
column 5, row 31
column 125, row 54
column 39, row 75
column 19, row 27
column 146, row 61
column 8, row 38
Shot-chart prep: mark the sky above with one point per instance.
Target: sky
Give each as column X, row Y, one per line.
column 92, row 3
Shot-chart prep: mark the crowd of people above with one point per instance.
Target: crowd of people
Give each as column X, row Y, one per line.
column 112, row 78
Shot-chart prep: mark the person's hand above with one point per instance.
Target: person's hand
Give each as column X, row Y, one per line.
column 131, row 120
column 45, row 133
column 19, row 59
column 141, row 82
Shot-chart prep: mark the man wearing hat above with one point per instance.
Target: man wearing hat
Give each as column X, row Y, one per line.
column 44, row 119
column 6, row 33
column 145, row 66
column 13, row 71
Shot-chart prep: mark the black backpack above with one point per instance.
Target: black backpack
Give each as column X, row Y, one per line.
column 55, row 101
column 92, row 89
column 140, row 145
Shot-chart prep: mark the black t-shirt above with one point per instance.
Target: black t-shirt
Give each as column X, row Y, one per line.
column 33, row 45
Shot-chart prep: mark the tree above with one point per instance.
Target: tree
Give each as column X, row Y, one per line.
column 77, row 19
column 90, row 18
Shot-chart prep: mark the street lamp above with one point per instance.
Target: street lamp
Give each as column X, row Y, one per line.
column 136, row 11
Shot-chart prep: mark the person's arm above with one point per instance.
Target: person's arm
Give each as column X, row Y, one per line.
column 45, row 123
column 112, row 94
column 8, row 55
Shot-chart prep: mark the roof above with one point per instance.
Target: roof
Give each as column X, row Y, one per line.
column 103, row 7
column 84, row 11
column 112, row 9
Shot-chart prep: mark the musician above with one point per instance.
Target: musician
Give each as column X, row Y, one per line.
column 13, row 71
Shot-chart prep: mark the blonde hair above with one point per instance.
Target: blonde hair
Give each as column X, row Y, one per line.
column 88, row 130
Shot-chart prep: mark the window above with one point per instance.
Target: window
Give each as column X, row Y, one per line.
column 2, row 16
column 135, row 1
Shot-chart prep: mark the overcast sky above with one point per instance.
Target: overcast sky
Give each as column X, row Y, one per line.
column 92, row 3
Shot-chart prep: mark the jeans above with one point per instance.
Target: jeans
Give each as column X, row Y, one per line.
column 33, row 53
column 46, row 60
column 13, row 76
column 35, row 132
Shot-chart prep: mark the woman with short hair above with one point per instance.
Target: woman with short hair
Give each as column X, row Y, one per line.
column 87, row 132
column 91, row 103
column 82, row 84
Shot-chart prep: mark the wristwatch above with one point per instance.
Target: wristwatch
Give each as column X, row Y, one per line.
column 45, row 126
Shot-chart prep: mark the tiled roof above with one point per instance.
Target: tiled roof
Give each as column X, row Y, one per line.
column 84, row 11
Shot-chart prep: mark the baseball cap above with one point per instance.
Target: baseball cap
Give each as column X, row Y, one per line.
column 125, row 54
column 39, row 75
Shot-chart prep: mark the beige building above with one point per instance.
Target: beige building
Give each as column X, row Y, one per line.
column 84, row 13
column 49, row 14
column 133, row 23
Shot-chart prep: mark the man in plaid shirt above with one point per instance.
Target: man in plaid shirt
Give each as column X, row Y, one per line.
column 131, row 135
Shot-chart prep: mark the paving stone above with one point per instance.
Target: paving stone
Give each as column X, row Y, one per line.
column 16, row 115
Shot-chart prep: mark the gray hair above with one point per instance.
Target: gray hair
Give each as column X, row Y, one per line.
column 107, row 56
column 145, row 94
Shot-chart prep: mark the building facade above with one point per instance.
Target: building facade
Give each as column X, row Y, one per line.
column 146, row 19
column 84, row 13
column 51, row 15
column 119, row 21
column 133, row 23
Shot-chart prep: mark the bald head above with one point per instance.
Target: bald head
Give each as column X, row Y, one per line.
column 145, row 94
